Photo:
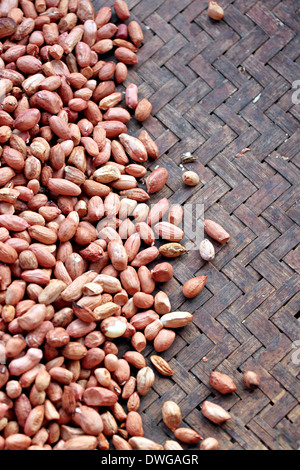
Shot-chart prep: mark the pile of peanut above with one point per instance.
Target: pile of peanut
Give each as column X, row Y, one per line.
column 76, row 231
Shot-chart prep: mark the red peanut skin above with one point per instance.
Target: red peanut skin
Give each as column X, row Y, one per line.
column 3, row 410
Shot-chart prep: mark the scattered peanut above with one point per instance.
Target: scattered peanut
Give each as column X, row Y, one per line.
column 215, row 11
column 210, row 443
column 222, row 382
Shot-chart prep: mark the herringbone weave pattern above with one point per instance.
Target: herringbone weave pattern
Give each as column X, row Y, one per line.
column 217, row 88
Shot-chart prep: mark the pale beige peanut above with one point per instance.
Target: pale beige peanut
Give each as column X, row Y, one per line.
column 52, row 291
column 172, row 250
column 207, row 250
column 125, row 182
column 33, row 317
column 32, row 218
column 103, row 376
column 191, row 178
column 214, row 412
column 172, row 445
column 171, row 415
column 107, row 174
column 90, row 301
column 162, row 303
column 92, row 288
column 141, row 212
column 110, row 425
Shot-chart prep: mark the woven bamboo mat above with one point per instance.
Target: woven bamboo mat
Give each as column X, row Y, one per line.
column 216, row 89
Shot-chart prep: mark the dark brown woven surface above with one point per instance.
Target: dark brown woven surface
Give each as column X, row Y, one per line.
column 217, row 88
